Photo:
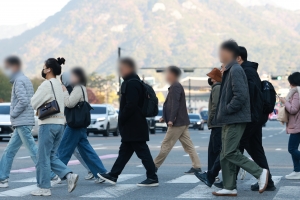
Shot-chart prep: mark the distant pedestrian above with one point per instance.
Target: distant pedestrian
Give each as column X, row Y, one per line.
column 133, row 126
column 292, row 106
column 176, row 117
column 76, row 137
column 233, row 112
column 51, row 130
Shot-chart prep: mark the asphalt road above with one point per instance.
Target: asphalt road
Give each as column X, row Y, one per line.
column 173, row 182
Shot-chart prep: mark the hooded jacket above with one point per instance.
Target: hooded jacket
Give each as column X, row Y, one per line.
column 213, row 103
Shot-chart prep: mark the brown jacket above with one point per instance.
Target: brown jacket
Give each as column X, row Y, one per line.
column 174, row 109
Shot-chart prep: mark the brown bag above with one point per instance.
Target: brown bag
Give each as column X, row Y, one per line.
column 283, row 115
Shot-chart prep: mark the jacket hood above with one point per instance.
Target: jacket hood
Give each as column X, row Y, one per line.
column 250, row 64
column 65, row 79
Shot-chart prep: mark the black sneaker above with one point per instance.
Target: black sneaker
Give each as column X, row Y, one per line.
column 219, row 185
column 108, row 178
column 255, row 187
column 193, row 171
column 148, row 183
column 203, row 177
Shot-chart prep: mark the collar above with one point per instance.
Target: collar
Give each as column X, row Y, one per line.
column 172, row 85
column 229, row 65
column 15, row 76
column 131, row 76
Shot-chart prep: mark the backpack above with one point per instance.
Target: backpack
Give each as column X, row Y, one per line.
column 150, row 105
column 269, row 97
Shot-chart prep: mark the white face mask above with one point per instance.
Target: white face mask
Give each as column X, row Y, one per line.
column 8, row 72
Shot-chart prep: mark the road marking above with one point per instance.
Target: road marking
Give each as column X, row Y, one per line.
column 140, row 166
column 97, row 148
column 196, row 147
column 113, row 191
column 176, row 147
column 278, row 149
column 125, row 177
column 263, row 138
column 185, row 179
column 24, row 157
column 27, row 180
column 253, row 180
column 199, row 192
column 288, row 192
column 188, row 154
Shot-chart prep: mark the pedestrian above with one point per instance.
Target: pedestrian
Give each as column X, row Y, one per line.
column 21, row 117
column 292, row 106
column 233, row 113
column 76, row 137
column 51, row 130
column 176, row 116
column 65, row 80
column 133, row 126
column 215, row 140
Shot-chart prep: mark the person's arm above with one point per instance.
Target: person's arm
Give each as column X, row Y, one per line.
column 43, row 94
column 215, row 100
column 23, row 100
column 294, row 106
column 240, row 90
column 175, row 94
column 72, row 99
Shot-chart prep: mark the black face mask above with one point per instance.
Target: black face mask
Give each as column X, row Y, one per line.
column 43, row 74
column 210, row 82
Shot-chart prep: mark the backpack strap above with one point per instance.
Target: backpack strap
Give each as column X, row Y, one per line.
column 124, row 84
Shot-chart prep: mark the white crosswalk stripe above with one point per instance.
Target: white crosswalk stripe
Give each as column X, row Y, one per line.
column 288, row 192
column 185, row 179
column 113, row 191
column 276, row 180
column 199, row 192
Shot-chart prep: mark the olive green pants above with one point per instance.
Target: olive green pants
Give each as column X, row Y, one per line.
column 231, row 156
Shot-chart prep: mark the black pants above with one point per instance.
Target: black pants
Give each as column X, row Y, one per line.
column 252, row 142
column 142, row 151
column 214, row 146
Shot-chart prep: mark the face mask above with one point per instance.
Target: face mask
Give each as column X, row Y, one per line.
column 43, row 74
column 8, row 73
column 210, row 82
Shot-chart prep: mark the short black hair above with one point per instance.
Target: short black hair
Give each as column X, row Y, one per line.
column 294, row 79
column 175, row 70
column 232, row 46
column 80, row 73
column 13, row 60
column 55, row 65
column 128, row 62
column 243, row 53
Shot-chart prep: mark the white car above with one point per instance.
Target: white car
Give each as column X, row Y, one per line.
column 5, row 125
column 104, row 120
column 160, row 125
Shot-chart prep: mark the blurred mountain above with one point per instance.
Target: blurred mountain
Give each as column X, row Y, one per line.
column 159, row 33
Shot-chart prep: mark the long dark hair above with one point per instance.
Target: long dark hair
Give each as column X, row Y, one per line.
column 294, row 79
column 55, row 65
column 79, row 72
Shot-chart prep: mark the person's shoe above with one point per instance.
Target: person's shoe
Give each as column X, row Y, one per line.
column 217, row 179
column 148, row 183
column 89, row 176
column 224, row 192
column 203, row 177
column 255, row 187
column 72, row 181
column 99, row 180
column 193, row 170
column 108, row 178
column 55, row 180
column 4, row 183
column 293, row 176
column 219, row 184
column 243, row 174
column 263, row 180
column 41, row 192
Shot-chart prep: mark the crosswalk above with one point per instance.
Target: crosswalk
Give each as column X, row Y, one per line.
column 194, row 189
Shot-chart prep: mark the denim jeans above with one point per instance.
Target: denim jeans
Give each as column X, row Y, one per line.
column 80, row 159
column 294, row 142
column 49, row 139
column 76, row 137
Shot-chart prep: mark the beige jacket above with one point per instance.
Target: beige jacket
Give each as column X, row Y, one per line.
column 76, row 96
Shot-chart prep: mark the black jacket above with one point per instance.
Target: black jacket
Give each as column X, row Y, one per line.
column 132, row 124
column 254, row 85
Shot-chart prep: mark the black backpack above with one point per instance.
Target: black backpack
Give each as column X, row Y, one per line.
column 150, row 105
column 269, row 97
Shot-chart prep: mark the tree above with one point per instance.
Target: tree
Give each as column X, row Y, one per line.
column 5, row 89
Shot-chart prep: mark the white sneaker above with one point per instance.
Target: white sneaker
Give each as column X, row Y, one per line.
column 243, row 174
column 99, row 180
column 4, row 183
column 55, row 180
column 89, row 176
column 41, row 192
column 72, row 180
column 224, row 192
column 291, row 176
column 263, row 180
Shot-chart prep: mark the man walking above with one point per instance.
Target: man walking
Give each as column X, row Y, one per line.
column 233, row 112
column 133, row 126
column 176, row 116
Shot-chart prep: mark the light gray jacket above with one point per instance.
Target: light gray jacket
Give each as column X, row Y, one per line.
column 21, row 111
column 234, row 101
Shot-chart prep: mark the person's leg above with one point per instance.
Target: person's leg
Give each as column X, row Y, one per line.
column 189, row 148
column 214, row 171
column 8, row 155
column 80, row 159
column 210, row 155
column 169, row 141
column 142, row 151
column 293, row 145
column 125, row 154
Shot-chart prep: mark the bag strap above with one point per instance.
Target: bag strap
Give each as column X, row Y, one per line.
column 53, row 91
column 82, row 93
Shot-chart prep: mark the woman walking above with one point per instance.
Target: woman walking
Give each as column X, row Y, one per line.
column 292, row 106
column 77, row 137
column 50, row 130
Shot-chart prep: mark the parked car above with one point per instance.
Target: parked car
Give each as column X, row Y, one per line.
column 160, row 125
column 5, row 125
column 196, row 121
column 204, row 115
column 104, row 120
column 151, row 124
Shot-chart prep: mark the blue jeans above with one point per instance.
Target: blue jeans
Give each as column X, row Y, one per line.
column 77, row 138
column 294, row 142
column 49, row 139
column 80, row 159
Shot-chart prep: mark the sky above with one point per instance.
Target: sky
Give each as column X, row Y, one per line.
column 15, row 12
